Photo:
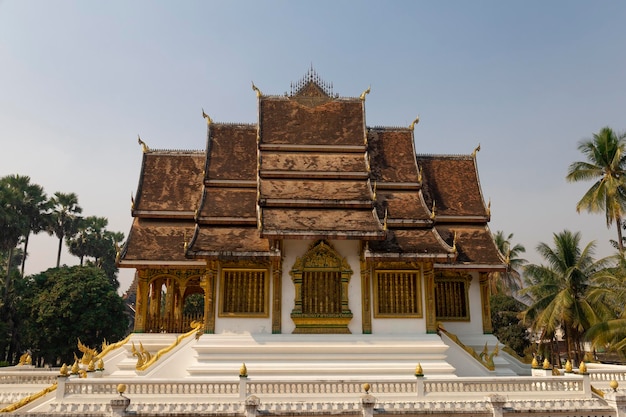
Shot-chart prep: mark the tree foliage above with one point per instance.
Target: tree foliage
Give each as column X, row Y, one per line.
column 509, row 281
column 606, row 165
column 62, row 305
column 507, row 326
column 559, row 292
column 65, row 218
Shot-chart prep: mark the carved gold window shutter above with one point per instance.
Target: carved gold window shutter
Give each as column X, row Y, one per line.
column 244, row 293
column 397, row 293
column 321, row 277
column 451, row 297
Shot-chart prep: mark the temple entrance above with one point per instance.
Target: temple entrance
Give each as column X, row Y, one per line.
column 174, row 301
column 321, row 280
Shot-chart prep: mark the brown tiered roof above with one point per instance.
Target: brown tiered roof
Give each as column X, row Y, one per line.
column 451, row 181
column 169, row 184
column 313, row 177
column 310, row 169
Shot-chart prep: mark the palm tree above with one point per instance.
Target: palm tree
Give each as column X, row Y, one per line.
column 509, row 281
column 606, row 164
column 611, row 290
column 559, row 291
column 88, row 239
column 34, row 204
column 64, row 218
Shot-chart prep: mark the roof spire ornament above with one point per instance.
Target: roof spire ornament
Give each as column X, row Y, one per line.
column 206, row 116
column 144, row 147
column 414, row 122
column 364, row 93
column 256, row 90
column 476, row 150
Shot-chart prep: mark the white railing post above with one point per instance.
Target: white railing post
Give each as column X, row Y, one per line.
column 419, row 386
column 587, row 385
column 497, row 404
column 368, row 401
column 243, row 387
column 252, row 405
column 618, row 402
column 61, row 379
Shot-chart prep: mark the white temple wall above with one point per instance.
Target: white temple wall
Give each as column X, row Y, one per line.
column 349, row 249
column 241, row 324
column 475, row 325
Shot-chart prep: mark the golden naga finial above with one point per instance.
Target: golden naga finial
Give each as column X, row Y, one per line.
column 364, row 93
column 144, row 147
column 374, row 190
column 256, row 90
column 185, row 243
column 475, row 151
column 419, row 174
column 206, row 116
column 433, row 211
column 414, row 122
column 132, row 202
column 489, row 208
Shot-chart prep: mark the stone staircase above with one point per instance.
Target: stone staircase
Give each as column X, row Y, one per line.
column 349, row 356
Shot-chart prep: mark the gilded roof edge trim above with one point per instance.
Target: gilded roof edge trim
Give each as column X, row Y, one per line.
column 139, row 184
column 480, row 189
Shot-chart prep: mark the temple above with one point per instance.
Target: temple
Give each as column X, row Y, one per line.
column 309, row 221
column 332, row 270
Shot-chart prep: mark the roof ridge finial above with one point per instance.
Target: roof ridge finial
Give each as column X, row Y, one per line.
column 144, row 147
column 476, row 150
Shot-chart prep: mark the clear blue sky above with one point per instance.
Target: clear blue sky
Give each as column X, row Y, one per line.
column 525, row 79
